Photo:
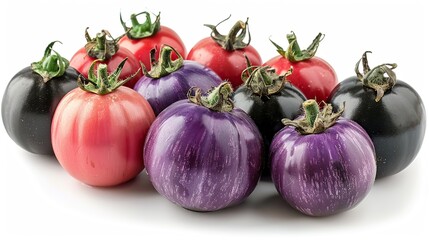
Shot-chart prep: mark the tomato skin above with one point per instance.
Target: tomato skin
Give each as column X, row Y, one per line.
column 325, row 173
column 28, row 106
column 141, row 48
column 98, row 139
column 227, row 64
column 81, row 62
column 396, row 124
column 314, row 77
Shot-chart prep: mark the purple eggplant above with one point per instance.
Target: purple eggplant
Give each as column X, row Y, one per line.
column 322, row 164
column 203, row 154
column 169, row 80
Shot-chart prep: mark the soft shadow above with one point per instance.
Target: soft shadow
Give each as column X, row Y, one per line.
column 41, row 160
column 392, row 196
column 273, row 206
column 138, row 186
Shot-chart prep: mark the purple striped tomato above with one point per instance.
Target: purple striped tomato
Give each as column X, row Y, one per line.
column 322, row 164
column 203, row 154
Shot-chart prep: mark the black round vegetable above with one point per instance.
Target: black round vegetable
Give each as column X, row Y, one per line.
column 267, row 99
column 390, row 110
column 31, row 98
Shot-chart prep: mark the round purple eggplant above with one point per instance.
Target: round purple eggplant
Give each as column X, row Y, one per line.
column 203, row 154
column 322, row 164
column 169, row 80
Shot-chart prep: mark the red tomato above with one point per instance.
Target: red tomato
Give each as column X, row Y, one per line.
column 225, row 54
column 148, row 36
column 98, row 138
column 312, row 75
column 82, row 60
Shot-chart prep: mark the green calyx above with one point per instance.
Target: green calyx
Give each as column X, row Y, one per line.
column 100, row 47
column 102, row 82
column 165, row 63
column 294, row 52
column 235, row 38
column 142, row 30
column 216, row 99
column 51, row 65
column 263, row 80
column 376, row 78
column 314, row 121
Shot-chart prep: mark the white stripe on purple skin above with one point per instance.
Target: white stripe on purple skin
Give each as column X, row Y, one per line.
column 201, row 159
column 326, row 173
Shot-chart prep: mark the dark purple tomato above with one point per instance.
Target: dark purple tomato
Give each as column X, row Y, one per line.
column 394, row 117
column 268, row 98
column 30, row 100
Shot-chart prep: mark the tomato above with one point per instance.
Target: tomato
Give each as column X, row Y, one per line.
column 390, row 110
column 113, row 56
column 141, row 38
column 312, row 75
column 31, row 97
column 225, row 54
column 98, row 130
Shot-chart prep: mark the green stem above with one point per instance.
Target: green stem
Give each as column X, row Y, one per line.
column 311, row 109
column 235, row 38
column 165, row 64
column 216, row 99
column 100, row 47
column 375, row 78
column 314, row 121
column 294, row 52
column 50, row 66
column 103, row 83
column 101, row 41
column 232, row 35
column 104, row 77
column 294, row 46
column 134, row 21
column 141, row 30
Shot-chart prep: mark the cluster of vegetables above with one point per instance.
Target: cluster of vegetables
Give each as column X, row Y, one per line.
column 142, row 101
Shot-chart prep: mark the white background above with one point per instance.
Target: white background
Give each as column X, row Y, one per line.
column 39, row 198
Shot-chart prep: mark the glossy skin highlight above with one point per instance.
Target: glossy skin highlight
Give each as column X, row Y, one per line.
column 396, row 124
column 98, row 139
column 201, row 159
column 28, row 106
column 314, row 77
column 162, row 92
column 268, row 111
column 326, row 173
column 227, row 64
column 141, row 47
